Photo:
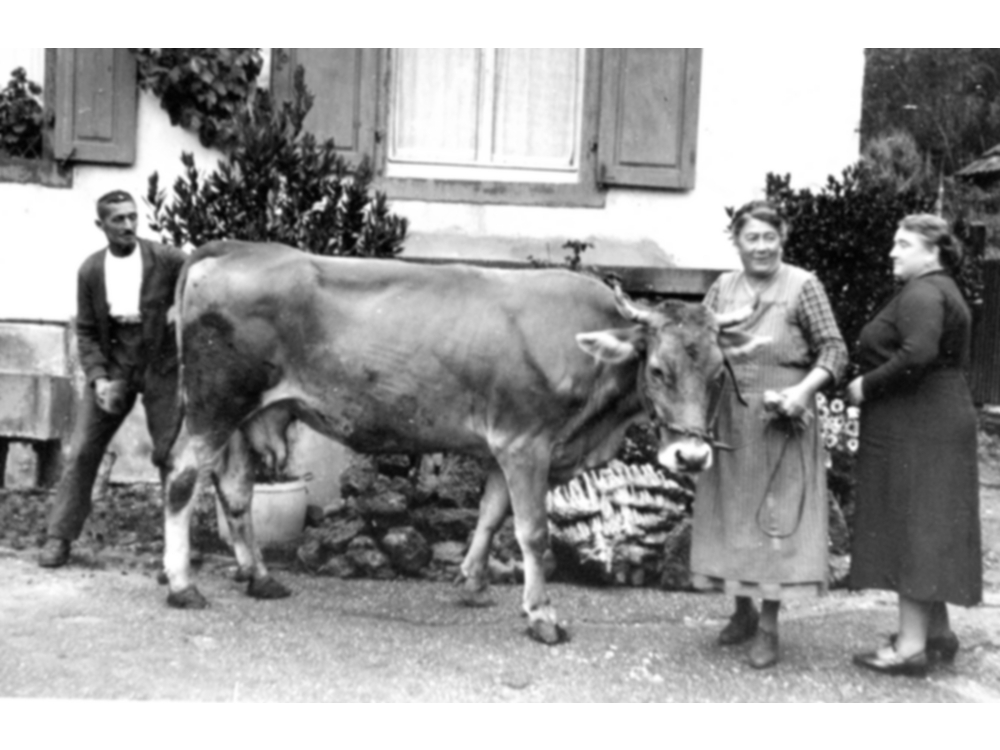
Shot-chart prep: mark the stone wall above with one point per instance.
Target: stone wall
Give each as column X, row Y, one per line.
column 413, row 516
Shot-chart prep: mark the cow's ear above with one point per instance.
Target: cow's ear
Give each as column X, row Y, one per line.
column 738, row 345
column 614, row 345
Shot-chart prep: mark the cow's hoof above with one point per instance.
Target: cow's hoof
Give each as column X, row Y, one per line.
column 243, row 575
column 549, row 633
column 267, row 588
column 476, row 597
column 189, row 598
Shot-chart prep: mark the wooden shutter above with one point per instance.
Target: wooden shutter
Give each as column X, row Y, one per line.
column 95, row 106
column 649, row 117
column 343, row 82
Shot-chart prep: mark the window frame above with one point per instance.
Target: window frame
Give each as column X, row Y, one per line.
column 618, row 148
column 584, row 192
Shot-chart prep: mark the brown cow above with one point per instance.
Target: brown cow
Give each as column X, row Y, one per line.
column 538, row 371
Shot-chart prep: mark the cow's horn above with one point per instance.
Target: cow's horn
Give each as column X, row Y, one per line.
column 628, row 310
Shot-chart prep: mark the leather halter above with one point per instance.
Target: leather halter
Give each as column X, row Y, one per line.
column 705, row 435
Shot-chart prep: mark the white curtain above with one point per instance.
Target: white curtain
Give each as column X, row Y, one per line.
column 435, row 110
column 487, row 107
column 537, row 94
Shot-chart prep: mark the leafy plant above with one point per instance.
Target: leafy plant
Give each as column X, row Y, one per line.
column 22, row 117
column 278, row 183
column 202, row 89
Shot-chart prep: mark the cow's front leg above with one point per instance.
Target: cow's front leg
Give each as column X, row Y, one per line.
column 234, row 485
column 527, row 479
column 493, row 509
column 179, row 486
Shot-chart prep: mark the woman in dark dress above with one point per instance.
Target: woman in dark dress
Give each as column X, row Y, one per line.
column 917, row 516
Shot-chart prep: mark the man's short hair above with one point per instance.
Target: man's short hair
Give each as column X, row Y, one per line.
column 109, row 199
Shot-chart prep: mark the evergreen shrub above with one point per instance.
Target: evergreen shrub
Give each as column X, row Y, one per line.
column 279, row 183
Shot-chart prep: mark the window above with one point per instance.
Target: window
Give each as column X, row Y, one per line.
column 91, row 96
column 536, row 126
column 486, row 114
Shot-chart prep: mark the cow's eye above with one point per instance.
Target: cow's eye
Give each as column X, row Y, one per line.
column 662, row 375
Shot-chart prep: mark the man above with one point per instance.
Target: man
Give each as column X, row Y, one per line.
column 126, row 347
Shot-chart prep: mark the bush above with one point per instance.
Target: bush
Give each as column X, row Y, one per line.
column 278, row 183
column 22, row 117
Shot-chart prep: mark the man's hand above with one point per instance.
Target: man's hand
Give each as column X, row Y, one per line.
column 110, row 395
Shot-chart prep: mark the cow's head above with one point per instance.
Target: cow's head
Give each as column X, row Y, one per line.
column 681, row 348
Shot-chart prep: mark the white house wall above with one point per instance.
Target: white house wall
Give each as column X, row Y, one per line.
column 768, row 109
column 49, row 231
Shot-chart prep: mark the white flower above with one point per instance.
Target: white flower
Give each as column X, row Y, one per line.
column 821, row 399
column 836, row 406
column 851, row 428
column 852, row 445
column 853, row 412
column 830, row 442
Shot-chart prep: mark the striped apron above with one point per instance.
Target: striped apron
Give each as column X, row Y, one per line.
column 760, row 512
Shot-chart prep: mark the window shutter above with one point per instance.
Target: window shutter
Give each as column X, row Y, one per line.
column 343, row 82
column 95, row 108
column 649, row 117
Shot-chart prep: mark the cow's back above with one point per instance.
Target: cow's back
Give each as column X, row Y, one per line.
column 390, row 355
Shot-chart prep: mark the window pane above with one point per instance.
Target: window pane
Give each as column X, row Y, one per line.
column 538, row 95
column 435, row 105
column 486, row 114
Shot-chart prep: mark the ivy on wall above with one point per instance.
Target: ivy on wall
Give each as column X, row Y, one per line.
column 202, row 89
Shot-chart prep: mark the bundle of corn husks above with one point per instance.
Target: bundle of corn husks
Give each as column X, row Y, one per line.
column 614, row 520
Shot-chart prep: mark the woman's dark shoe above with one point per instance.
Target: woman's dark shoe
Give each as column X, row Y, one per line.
column 887, row 661
column 764, row 650
column 55, row 553
column 740, row 629
column 942, row 648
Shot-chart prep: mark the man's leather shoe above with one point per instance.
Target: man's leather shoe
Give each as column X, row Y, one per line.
column 740, row 629
column 55, row 553
column 887, row 661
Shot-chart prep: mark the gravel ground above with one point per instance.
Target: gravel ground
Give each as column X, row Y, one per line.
column 99, row 629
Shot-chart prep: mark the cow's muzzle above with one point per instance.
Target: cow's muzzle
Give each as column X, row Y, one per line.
column 688, row 456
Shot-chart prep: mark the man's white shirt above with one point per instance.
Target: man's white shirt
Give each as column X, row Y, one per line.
column 123, row 282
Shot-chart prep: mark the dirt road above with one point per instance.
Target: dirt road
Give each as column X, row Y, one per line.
column 101, row 629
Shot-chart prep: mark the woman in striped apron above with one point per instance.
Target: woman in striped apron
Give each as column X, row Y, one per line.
column 760, row 514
